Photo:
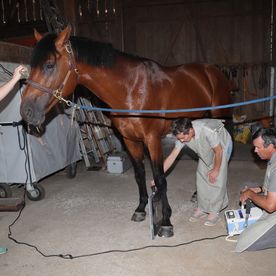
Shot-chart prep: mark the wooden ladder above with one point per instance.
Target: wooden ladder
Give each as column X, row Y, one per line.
column 96, row 135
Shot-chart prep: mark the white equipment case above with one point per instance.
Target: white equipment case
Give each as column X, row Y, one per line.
column 118, row 162
column 235, row 219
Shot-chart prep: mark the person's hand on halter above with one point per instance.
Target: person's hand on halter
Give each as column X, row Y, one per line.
column 6, row 88
column 18, row 72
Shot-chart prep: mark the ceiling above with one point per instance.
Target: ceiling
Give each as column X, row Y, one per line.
column 18, row 20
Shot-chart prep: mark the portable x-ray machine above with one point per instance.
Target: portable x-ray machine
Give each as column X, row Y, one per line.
column 238, row 220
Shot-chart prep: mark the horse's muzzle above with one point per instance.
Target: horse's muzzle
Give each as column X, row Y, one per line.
column 31, row 115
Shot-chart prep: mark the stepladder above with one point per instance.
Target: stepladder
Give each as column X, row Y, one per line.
column 97, row 139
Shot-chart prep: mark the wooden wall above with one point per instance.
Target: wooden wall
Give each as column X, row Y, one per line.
column 15, row 53
column 175, row 31
column 234, row 34
column 222, row 32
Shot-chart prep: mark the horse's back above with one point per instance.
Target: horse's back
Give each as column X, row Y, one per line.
column 222, row 91
column 200, row 85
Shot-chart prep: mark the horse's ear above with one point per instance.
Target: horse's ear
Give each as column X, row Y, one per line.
column 63, row 37
column 37, row 35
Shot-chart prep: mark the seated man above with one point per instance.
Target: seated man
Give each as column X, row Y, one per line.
column 262, row 234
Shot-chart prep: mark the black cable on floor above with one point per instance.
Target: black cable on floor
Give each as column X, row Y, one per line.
column 71, row 257
column 23, row 146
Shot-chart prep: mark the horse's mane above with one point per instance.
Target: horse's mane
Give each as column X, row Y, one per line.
column 85, row 50
column 93, row 52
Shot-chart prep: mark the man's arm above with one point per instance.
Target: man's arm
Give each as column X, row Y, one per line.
column 213, row 174
column 169, row 160
column 267, row 202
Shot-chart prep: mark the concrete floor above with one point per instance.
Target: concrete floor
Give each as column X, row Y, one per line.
column 91, row 213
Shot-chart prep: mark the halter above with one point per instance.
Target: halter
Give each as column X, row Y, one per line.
column 57, row 93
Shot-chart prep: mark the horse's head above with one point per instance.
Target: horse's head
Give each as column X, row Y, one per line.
column 53, row 76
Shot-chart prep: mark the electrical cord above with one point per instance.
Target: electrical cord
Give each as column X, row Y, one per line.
column 228, row 238
column 70, row 256
column 23, row 146
column 6, row 71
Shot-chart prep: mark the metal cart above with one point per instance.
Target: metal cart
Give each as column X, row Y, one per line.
column 25, row 158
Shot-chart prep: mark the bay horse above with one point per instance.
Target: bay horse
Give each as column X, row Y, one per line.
column 60, row 62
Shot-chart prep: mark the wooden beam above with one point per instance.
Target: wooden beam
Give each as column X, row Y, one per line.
column 10, row 52
column 70, row 8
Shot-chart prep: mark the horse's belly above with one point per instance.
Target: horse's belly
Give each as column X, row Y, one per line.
column 138, row 129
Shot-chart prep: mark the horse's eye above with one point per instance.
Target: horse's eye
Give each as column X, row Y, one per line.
column 49, row 66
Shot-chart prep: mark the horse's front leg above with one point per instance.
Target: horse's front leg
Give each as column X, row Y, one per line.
column 156, row 155
column 136, row 150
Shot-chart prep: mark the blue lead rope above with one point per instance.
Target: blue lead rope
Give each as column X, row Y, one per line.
column 85, row 107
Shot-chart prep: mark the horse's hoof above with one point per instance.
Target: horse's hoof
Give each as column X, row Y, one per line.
column 138, row 216
column 165, row 231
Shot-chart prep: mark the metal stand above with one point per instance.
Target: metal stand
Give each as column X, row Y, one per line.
column 7, row 202
column 34, row 192
column 155, row 213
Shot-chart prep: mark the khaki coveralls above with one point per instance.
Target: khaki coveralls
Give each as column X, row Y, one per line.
column 209, row 133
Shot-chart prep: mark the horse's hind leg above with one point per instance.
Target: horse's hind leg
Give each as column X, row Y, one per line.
column 136, row 151
column 156, row 155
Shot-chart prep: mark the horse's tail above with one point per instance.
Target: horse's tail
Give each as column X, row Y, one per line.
column 222, row 91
